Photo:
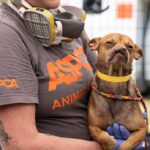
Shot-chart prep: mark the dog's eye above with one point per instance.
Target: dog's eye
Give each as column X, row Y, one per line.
column 129, row 46
column 109, row 43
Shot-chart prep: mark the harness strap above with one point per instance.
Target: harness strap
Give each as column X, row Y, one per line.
column 120, row 97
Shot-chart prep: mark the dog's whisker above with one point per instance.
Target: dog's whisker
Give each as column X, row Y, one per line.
column 110, row 71
column 120, row 71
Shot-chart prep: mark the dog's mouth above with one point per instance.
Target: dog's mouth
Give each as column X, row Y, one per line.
column 118, row 57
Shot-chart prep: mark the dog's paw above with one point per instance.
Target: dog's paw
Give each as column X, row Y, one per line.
column 124, row 146
column 109, row 144
column 107, row 147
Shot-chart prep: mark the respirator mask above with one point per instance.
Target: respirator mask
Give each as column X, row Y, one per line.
column 50, row 27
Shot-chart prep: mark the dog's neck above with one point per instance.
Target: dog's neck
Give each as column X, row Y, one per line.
column 119, row 88
column 114, row 69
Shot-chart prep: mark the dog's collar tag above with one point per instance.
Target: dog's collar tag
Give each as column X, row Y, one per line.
column 112, row 78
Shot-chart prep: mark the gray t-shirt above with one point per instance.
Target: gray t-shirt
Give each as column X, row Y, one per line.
column 57, row 78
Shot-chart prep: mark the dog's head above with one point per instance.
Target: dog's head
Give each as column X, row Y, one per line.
column 116, row 48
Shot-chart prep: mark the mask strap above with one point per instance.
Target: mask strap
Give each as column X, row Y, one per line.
column 61, row 9
column 24, row 5
column 10, row 4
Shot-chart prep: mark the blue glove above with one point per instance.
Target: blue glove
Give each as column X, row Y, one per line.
column 120, row 133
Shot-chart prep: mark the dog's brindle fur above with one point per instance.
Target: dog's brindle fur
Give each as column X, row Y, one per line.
column 115, row 56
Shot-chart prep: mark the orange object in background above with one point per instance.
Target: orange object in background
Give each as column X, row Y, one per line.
column 124, row 11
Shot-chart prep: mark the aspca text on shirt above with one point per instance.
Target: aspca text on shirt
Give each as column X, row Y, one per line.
column 67, row 71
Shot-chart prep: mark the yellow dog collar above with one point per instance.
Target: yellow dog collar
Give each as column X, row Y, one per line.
column 113, row 78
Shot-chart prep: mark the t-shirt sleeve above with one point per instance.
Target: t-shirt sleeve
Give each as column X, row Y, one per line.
column 18, row 82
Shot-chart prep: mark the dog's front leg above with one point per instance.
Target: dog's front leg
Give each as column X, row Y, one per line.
column 102, row 137
column 134, row 139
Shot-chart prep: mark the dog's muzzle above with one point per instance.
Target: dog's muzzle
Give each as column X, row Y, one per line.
column 121, row 50
column 119, row 55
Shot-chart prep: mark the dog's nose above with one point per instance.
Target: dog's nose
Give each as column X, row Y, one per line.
column 120, row 49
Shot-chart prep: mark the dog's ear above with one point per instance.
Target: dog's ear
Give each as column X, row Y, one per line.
column 94, row 44
column 138, row 52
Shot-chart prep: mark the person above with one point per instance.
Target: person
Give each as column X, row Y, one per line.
column 43, row 90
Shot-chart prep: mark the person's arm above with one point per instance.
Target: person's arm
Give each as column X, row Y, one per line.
column 19, row 123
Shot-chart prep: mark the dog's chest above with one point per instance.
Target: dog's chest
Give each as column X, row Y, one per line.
column 113, row 109
column 113, row 88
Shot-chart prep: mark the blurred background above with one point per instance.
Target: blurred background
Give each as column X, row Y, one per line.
column 131, row 17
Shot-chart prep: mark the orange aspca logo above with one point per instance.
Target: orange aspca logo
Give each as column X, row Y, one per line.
column 8, row 83
column 66, row 70
column 68, row 100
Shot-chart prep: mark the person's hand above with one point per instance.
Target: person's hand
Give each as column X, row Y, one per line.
column 120, row 133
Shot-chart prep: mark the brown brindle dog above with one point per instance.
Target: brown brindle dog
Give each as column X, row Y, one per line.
column 115, row 56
